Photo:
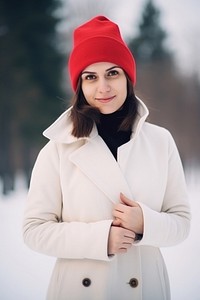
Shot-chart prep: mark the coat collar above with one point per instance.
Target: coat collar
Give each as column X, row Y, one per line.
column 99, row 165
column 60, row 130
column 93, row 158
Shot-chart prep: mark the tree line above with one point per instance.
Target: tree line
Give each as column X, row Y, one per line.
column 33, row 85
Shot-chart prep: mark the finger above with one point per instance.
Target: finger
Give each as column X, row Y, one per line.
column 117, row 214
column 128, row 239
column 122, row 250
column 116, row 222
column 127, row 244
column 129, row 234
column 127, row 201
column 120, row 207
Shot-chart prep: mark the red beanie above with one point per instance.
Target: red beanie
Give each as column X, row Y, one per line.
column 99, row 40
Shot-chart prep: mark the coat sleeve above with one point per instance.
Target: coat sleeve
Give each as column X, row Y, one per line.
column 171, row 225
column 43, row 228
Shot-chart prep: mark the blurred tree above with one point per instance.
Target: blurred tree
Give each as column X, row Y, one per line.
column 30, row 81
column 149, row 44
column 165, row 91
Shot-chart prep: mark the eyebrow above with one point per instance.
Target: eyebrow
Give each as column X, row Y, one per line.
column 90, row 72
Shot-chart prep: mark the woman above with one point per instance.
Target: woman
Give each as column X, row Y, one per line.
column 108, row 189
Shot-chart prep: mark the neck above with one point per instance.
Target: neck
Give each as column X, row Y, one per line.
column 112, row 121
column 108, row 129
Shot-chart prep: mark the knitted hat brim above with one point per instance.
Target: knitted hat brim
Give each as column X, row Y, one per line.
column 100, row 49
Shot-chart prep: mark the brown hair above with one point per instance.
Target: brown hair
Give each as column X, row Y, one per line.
column 84, row 116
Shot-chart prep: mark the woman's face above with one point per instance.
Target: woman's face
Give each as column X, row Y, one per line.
column 104, row 86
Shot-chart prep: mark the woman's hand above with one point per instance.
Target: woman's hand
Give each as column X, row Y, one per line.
column 120, row 240
column 128, row 214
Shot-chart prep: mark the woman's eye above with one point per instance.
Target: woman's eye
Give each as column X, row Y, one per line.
column 112, row 73
column 90, row 77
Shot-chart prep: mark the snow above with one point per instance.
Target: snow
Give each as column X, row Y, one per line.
column 25, row 274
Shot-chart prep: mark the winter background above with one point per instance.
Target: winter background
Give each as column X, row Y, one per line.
column 25, row 274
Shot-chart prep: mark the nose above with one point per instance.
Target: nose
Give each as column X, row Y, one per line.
column 103, row 85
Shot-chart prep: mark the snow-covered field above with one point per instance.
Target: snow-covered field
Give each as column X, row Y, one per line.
column 25, row 274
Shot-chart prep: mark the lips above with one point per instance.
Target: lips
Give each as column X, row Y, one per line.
column 105, row 100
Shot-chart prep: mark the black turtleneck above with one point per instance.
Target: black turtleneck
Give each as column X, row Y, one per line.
column 108, row 130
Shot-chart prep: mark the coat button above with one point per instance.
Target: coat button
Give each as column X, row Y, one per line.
column 133, row 282
column 86, row 282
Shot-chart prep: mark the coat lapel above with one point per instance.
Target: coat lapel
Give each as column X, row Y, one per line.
column 96, row 161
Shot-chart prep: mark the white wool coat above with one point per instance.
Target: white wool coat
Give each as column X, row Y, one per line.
column 74, row 185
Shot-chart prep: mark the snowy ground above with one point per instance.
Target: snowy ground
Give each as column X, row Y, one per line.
column 25, row 274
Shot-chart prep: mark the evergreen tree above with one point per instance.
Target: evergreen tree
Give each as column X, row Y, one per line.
column 163, row 89
column 30, row 80
column 149, row 45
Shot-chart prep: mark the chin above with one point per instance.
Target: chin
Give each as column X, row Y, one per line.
column 108, row 110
